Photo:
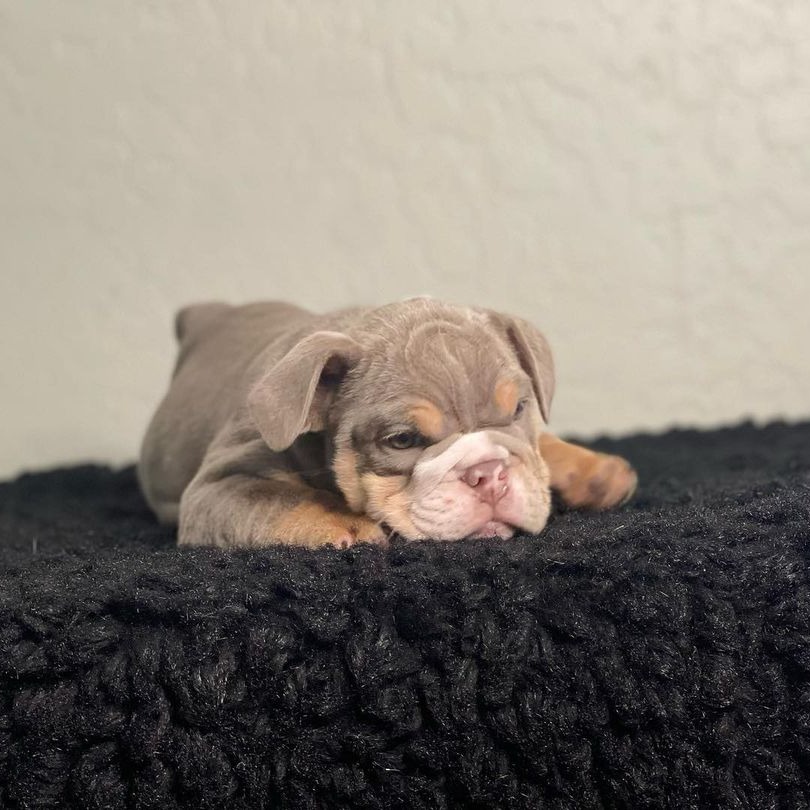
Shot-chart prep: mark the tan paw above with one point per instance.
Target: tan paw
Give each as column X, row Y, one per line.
column 313, row 524
column 358, row 529
column 600, row 482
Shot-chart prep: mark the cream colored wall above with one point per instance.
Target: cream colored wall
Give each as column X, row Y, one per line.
column 633, row 176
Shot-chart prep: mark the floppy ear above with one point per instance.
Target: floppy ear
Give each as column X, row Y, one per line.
column 534, row 355
column 293, row 396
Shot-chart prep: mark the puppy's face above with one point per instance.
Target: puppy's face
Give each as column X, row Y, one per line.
column 434, row 414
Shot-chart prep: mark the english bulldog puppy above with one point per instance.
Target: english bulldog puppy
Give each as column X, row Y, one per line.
column 418, row 418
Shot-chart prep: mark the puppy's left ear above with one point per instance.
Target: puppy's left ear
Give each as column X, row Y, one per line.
column 533, row 353
column 294, row 396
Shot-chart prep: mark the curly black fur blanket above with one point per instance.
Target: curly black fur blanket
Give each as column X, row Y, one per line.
column 657, row 656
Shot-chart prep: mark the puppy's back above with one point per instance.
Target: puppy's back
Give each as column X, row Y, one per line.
column 219, row 344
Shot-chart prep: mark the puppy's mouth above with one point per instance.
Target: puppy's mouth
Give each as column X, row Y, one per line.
column 494, row 528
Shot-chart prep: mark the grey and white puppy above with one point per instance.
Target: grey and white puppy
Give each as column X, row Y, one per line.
column 419, row 417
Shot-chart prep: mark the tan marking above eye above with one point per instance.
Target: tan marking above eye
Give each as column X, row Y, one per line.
column 428, row 418
column 506, row 396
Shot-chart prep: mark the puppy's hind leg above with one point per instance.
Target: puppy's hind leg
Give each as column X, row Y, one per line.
column 167, row 512
column 587, row 479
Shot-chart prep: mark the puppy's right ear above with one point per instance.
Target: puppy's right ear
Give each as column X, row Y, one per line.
column 292, row 398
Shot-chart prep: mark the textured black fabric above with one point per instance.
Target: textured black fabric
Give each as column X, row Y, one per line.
column 657, row 656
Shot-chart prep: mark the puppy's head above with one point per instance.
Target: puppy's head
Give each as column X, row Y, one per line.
column 434, row 414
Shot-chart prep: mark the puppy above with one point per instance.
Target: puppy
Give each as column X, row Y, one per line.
column 418, row 418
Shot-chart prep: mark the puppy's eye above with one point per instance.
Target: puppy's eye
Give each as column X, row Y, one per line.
column 403, row 440
column 521, row 406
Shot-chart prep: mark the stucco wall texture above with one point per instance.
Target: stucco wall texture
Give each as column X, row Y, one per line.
column 632, row 176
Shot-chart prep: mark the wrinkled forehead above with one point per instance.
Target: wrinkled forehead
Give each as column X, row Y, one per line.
column 441, row 379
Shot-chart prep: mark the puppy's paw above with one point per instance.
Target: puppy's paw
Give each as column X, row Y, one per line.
column 314, row 524
column 600, row 481
column 358, row 529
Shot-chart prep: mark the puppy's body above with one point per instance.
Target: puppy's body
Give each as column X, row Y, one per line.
column 223, row 351
column 420, row 417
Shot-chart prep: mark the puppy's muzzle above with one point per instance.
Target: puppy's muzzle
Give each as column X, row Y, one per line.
column 476, row 484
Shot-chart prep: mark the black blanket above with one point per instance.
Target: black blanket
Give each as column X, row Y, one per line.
column 657, row 656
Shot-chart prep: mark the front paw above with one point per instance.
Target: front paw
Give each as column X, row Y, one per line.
column 357, row 529
column 314, row 525
column 604, row 481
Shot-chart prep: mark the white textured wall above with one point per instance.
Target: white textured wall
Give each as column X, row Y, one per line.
column 634, row 176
